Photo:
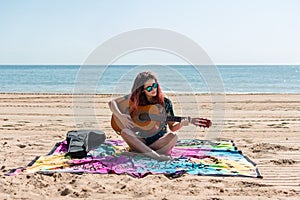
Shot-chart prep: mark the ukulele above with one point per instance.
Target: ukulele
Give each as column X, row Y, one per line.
column 151, row 118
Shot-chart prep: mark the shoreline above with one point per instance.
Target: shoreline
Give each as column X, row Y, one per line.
column 264, row 127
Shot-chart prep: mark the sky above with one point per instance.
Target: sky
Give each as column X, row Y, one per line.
column 229, row 31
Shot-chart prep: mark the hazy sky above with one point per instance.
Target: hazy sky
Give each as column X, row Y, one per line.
column 230, row 31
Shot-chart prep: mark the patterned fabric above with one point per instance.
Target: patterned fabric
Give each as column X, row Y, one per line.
column 169, row 107
column 197, row 157
column 169, row 110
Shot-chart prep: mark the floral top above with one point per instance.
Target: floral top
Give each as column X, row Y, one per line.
column 169, row 112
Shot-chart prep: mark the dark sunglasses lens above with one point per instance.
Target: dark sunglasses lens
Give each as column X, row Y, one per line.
column 149, row 88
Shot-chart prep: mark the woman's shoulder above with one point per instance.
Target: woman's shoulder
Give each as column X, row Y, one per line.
column 167, row 99
column 168, row 102
column 120, row 99
column 126, row 96
column 169, row 106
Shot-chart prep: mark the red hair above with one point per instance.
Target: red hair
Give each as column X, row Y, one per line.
column 138, row 97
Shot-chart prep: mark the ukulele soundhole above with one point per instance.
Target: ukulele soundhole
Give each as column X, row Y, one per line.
column 143, row 117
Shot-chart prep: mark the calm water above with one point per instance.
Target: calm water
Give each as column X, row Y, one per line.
column 118, row 79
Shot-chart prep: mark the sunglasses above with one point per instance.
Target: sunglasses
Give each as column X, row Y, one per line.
column 149, row 88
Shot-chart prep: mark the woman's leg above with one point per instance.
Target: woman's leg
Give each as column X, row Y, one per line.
column 165, row 144
column 138, row 145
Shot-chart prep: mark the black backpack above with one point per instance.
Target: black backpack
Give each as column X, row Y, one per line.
column 80, row 142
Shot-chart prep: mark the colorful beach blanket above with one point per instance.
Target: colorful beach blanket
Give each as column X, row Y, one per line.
column 192, row 156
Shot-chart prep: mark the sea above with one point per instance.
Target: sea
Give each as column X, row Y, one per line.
column 115, row 79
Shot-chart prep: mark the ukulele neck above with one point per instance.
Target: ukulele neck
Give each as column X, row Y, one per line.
column 177, row 119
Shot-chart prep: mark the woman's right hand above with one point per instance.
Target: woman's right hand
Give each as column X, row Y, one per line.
column 126, row 121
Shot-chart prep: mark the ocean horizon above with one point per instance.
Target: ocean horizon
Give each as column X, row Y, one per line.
column 115, row 79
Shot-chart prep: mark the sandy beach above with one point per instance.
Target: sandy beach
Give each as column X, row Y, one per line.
column 265, row 127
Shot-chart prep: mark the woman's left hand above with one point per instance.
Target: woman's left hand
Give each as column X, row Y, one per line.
column 206, row 123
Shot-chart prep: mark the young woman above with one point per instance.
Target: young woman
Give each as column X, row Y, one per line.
column 146, row 91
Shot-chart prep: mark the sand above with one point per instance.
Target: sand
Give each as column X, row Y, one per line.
column 265, row 127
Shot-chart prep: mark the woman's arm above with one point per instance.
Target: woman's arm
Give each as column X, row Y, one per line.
column 175, row 126
column 113, row 106
column 120, row 114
